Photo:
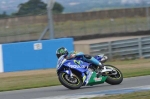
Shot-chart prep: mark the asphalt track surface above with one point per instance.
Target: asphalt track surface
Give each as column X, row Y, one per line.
column 57, row 91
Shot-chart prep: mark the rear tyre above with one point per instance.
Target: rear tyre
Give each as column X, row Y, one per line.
column 114, row 79
column 72, row 83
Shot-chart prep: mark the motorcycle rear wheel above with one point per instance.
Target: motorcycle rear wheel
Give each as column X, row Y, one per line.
column 115, row 79
column 71, row 83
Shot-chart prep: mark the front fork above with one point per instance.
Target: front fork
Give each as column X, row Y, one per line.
column 69, row 72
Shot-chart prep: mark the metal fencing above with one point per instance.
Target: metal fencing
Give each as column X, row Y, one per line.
column 27, row 28
column 124, row 49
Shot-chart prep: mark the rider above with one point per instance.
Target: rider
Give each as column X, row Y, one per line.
column 87, row 58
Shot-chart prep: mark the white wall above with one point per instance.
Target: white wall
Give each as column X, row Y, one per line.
column 1, row 60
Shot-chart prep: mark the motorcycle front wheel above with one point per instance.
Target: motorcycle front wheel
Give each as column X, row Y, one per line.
column 73, row 82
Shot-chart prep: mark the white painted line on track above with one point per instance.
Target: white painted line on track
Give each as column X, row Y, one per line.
column 71, row 97
column 99, row 93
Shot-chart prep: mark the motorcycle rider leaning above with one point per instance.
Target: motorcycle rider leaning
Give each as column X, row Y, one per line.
column 87, row 58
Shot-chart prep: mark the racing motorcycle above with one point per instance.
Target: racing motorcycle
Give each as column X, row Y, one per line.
column 76, row 73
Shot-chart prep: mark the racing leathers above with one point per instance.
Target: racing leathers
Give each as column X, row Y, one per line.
column 86, row 58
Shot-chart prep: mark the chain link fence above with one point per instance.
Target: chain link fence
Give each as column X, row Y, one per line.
column 28, row 28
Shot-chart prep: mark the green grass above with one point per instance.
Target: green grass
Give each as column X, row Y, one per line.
column 135, row 95
column 136, row 72
column 130, row 68
column 26, row 82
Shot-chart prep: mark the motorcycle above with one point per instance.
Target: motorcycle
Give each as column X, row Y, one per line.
column 75, row 73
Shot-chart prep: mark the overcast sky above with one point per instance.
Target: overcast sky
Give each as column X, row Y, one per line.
column 11, row 5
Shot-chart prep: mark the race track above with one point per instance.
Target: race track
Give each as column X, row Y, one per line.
column 60, row 91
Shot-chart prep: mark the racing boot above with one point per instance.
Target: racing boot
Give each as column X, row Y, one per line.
column 98, row 64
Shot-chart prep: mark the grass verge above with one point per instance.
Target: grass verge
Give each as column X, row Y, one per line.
column 44, row 78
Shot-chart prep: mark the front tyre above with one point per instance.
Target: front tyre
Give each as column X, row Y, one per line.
column 114, row 79
column 72, row 83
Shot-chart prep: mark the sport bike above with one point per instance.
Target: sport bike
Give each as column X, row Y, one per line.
column 75, row 73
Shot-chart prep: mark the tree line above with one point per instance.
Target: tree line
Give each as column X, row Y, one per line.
column 33, row 7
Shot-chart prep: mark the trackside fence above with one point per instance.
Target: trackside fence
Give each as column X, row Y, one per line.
column 130, row 48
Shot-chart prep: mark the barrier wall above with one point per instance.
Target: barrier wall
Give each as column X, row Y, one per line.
column 31, row 55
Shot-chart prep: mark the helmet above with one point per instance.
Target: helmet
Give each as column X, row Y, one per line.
column 61, row 51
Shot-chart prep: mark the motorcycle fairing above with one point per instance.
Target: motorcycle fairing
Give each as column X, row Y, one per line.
column 78, row 65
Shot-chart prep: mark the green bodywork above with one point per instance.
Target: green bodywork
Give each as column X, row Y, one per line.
column 94, row 80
